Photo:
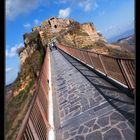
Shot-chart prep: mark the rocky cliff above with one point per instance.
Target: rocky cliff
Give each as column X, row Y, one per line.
column 65, row 31
column 24, row 87
column 84, row 36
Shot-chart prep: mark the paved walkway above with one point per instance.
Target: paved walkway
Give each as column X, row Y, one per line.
column 81, row 111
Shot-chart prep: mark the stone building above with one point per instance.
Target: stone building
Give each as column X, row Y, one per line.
column 57, row 24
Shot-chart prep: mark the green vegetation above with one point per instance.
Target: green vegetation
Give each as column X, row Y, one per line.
column 24, row 86
column 14, row 108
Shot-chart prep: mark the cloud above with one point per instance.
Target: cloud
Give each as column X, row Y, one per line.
column 36, row 21
column 9, row 69
column 13, row 51
column 63, row 13
column 18, row 7
column 27, row 26
column 88, row 5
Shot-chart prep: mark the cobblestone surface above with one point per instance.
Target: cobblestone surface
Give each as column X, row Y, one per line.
column 80, row 110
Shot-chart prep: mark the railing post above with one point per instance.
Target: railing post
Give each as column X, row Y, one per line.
column 91, row 60
column 102, row 64
column 42, row 113
column 33, row 130
column 125, row 74
column 83, row 56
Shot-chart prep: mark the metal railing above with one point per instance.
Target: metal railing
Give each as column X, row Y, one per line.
column 35, row 125
column 120, row 69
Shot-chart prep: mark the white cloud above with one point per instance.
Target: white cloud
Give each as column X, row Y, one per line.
column 27, row 26
column 17, row 7
column 88, row 5
column 13, row 51
column 9, row 69
column 36, row 21
column 63, row 13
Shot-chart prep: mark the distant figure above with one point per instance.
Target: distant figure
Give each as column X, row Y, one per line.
column 54, row 45
column 50, row 47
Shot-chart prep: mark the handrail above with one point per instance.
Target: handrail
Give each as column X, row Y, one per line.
column 36, row 117
column 118, row 68
column 99, row 53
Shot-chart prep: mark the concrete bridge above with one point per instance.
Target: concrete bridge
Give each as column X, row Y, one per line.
column 81, row 96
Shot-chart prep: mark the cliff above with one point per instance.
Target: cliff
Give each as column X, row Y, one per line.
column 65, row 31
column 24, row 87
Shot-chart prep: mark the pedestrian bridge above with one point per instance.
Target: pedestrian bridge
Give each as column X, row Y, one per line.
column 81, row 95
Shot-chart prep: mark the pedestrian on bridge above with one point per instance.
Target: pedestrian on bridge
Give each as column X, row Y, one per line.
column 50, row 47
column 54, row 45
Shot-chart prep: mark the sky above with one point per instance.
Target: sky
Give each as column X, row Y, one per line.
column 110, row 17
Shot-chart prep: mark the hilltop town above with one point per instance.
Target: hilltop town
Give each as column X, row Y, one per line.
column 64, row 31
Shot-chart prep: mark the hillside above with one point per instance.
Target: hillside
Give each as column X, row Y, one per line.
column 65, row 31
column 123, row 35
column 127, row 43
column 24, row 87
column 83, row 36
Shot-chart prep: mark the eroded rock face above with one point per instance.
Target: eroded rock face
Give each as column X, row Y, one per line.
column 84, row 35
column 25, row 53
column 89, row 28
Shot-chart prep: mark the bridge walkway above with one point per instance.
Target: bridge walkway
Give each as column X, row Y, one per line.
column 87, row 107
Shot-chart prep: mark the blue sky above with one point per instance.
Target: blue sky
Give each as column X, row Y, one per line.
column 110, row 17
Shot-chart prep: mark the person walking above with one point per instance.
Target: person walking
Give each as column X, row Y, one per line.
column 50, row 47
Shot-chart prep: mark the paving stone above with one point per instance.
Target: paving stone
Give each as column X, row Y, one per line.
column 63, row 102
column 92, row 102
column 70, row 85
column 122, row 126
column 94, row 136
column 75, row 101
column 73, row 129
column 112, row 134
column 73, row 133
column 70, row 97
column 76, row 113
column 85, row 107
column 103, row 121
column 96, row 126
column 85, row 130
column 101, row 106
column 84, row 100
column 66, row 135
column 62, row 114
column 66, row 111
column 116, row 117
column 80, row 129
column 90, row 123
column 98, row 99
column 74, row 108
column 128, row 134
column 79, row 138
column 90, row 130
column 71, row 91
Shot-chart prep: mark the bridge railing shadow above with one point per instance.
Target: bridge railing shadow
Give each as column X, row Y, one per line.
column 35, row 124
column 115, row 96
column 121, row 70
